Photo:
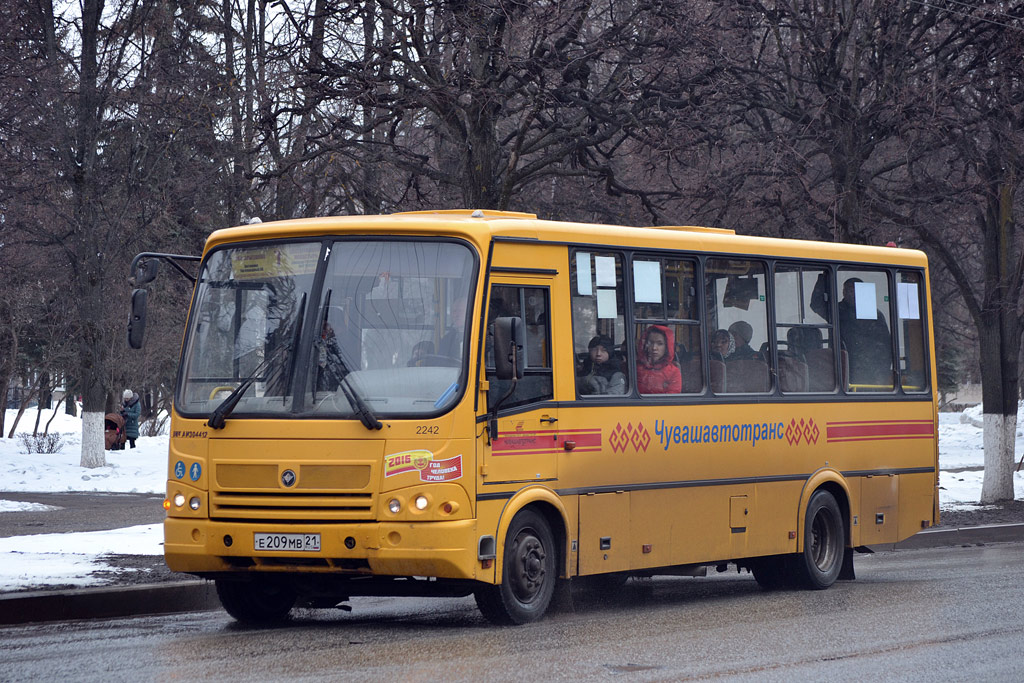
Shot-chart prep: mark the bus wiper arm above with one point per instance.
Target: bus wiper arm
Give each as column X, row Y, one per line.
column 222, row 411
column 336, row 367
column 359, row 406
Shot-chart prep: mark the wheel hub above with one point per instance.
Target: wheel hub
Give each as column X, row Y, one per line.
column 530, row 556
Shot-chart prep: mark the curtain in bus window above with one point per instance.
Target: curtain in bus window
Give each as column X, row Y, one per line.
column 913, row 357
column 865, row 329
column 598, row 326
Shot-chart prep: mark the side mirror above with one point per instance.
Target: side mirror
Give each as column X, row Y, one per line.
column 146, row 271
column 508, row 348
column 137, row 322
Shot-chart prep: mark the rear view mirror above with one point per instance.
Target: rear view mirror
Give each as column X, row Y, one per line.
column 508, row 348
column 146, row 271
column 137, row 321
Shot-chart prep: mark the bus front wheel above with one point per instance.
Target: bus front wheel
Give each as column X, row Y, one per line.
column 819, row 564
column 528, row 575
column 255, row 601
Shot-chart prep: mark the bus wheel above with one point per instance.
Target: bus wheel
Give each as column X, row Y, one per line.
column 824, row 540
column 255, row 601
column 528, row 574
column 771, row 573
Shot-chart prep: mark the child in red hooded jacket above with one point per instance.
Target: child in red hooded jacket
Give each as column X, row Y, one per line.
column 656, row 373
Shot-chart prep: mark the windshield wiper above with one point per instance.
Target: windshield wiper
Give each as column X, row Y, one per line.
column 222, row 411
column 333, row 363
column 362, row 410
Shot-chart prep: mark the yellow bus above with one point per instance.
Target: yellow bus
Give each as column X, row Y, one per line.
column 481, row 402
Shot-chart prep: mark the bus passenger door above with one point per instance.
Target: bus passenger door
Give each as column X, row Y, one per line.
column 527, row 444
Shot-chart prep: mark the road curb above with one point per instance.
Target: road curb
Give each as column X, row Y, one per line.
column 944, row 538
column 194, row 595
column 108, row 602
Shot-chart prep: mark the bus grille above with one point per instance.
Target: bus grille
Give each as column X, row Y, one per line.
column 291, row 506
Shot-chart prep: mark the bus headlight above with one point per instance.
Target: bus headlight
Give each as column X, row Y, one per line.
column 421, row 502
column 394, row 506
column 179, row 499
column 193, row 503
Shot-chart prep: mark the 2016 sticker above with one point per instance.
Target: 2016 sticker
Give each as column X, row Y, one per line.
column 423, row 462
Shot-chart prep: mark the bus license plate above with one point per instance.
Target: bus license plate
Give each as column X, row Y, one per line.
column 301, row 542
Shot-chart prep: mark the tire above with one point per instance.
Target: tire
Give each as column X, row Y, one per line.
column 255, row 602
column 818, row 566
column 528, row 576
column 772, row 573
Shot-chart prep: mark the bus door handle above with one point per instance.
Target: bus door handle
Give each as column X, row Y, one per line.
column 550, row 420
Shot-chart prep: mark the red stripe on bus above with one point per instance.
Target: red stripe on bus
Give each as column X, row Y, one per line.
column 550, row 451
column 519, row 443
column 880, row 438
column 836, row 431
column 877, row 422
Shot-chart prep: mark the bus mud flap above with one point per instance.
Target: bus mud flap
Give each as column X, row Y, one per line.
column 846, row 572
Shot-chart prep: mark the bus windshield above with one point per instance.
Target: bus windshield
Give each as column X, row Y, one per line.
column 329, row 328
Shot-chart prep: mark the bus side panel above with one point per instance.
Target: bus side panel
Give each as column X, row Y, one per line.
column 917, row 494
column 700, row 524
column 879, row 505
column 769, row 531
column 605, row 543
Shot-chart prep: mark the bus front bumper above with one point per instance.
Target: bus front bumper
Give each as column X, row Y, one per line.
column 438, row 549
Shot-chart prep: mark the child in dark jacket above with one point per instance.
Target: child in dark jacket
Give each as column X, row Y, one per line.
column 601, row 373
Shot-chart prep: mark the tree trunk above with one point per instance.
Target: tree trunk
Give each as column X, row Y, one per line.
column 1000, row 336
column 89, row 264
column 44, row 398
column 71, row 397
column 24, row 404
column 46, row 429
column 999, row 403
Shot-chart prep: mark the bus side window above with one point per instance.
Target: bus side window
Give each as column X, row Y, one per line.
column 598, row 327
column 668, row 335
column 736, row 292
column 529, row 304
column 913, row 357
column 803, row 333
column 865, row 330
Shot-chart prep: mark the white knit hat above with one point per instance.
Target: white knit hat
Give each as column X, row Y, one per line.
column 127, row 394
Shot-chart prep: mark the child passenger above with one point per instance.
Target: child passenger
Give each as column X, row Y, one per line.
column 601, row 373
column 656, row 373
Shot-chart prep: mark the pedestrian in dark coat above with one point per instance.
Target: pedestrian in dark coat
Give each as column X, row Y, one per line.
column 130, row 410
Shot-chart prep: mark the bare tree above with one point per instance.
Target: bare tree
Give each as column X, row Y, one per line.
column 974, row 177
column 903, row 118
column 392, row 104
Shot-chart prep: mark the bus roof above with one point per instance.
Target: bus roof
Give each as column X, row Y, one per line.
column 482, row 225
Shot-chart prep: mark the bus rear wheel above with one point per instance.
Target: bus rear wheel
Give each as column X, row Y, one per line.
column 818, row 566
column 528, row 574
column 257, row 602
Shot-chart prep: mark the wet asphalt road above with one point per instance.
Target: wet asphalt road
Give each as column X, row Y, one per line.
column 931, row 615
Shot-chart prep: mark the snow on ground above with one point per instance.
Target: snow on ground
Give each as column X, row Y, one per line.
column 70, row 559
column 51, row 559
column 135, row 470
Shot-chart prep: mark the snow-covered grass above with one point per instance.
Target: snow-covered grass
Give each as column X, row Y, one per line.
column 49, row 559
